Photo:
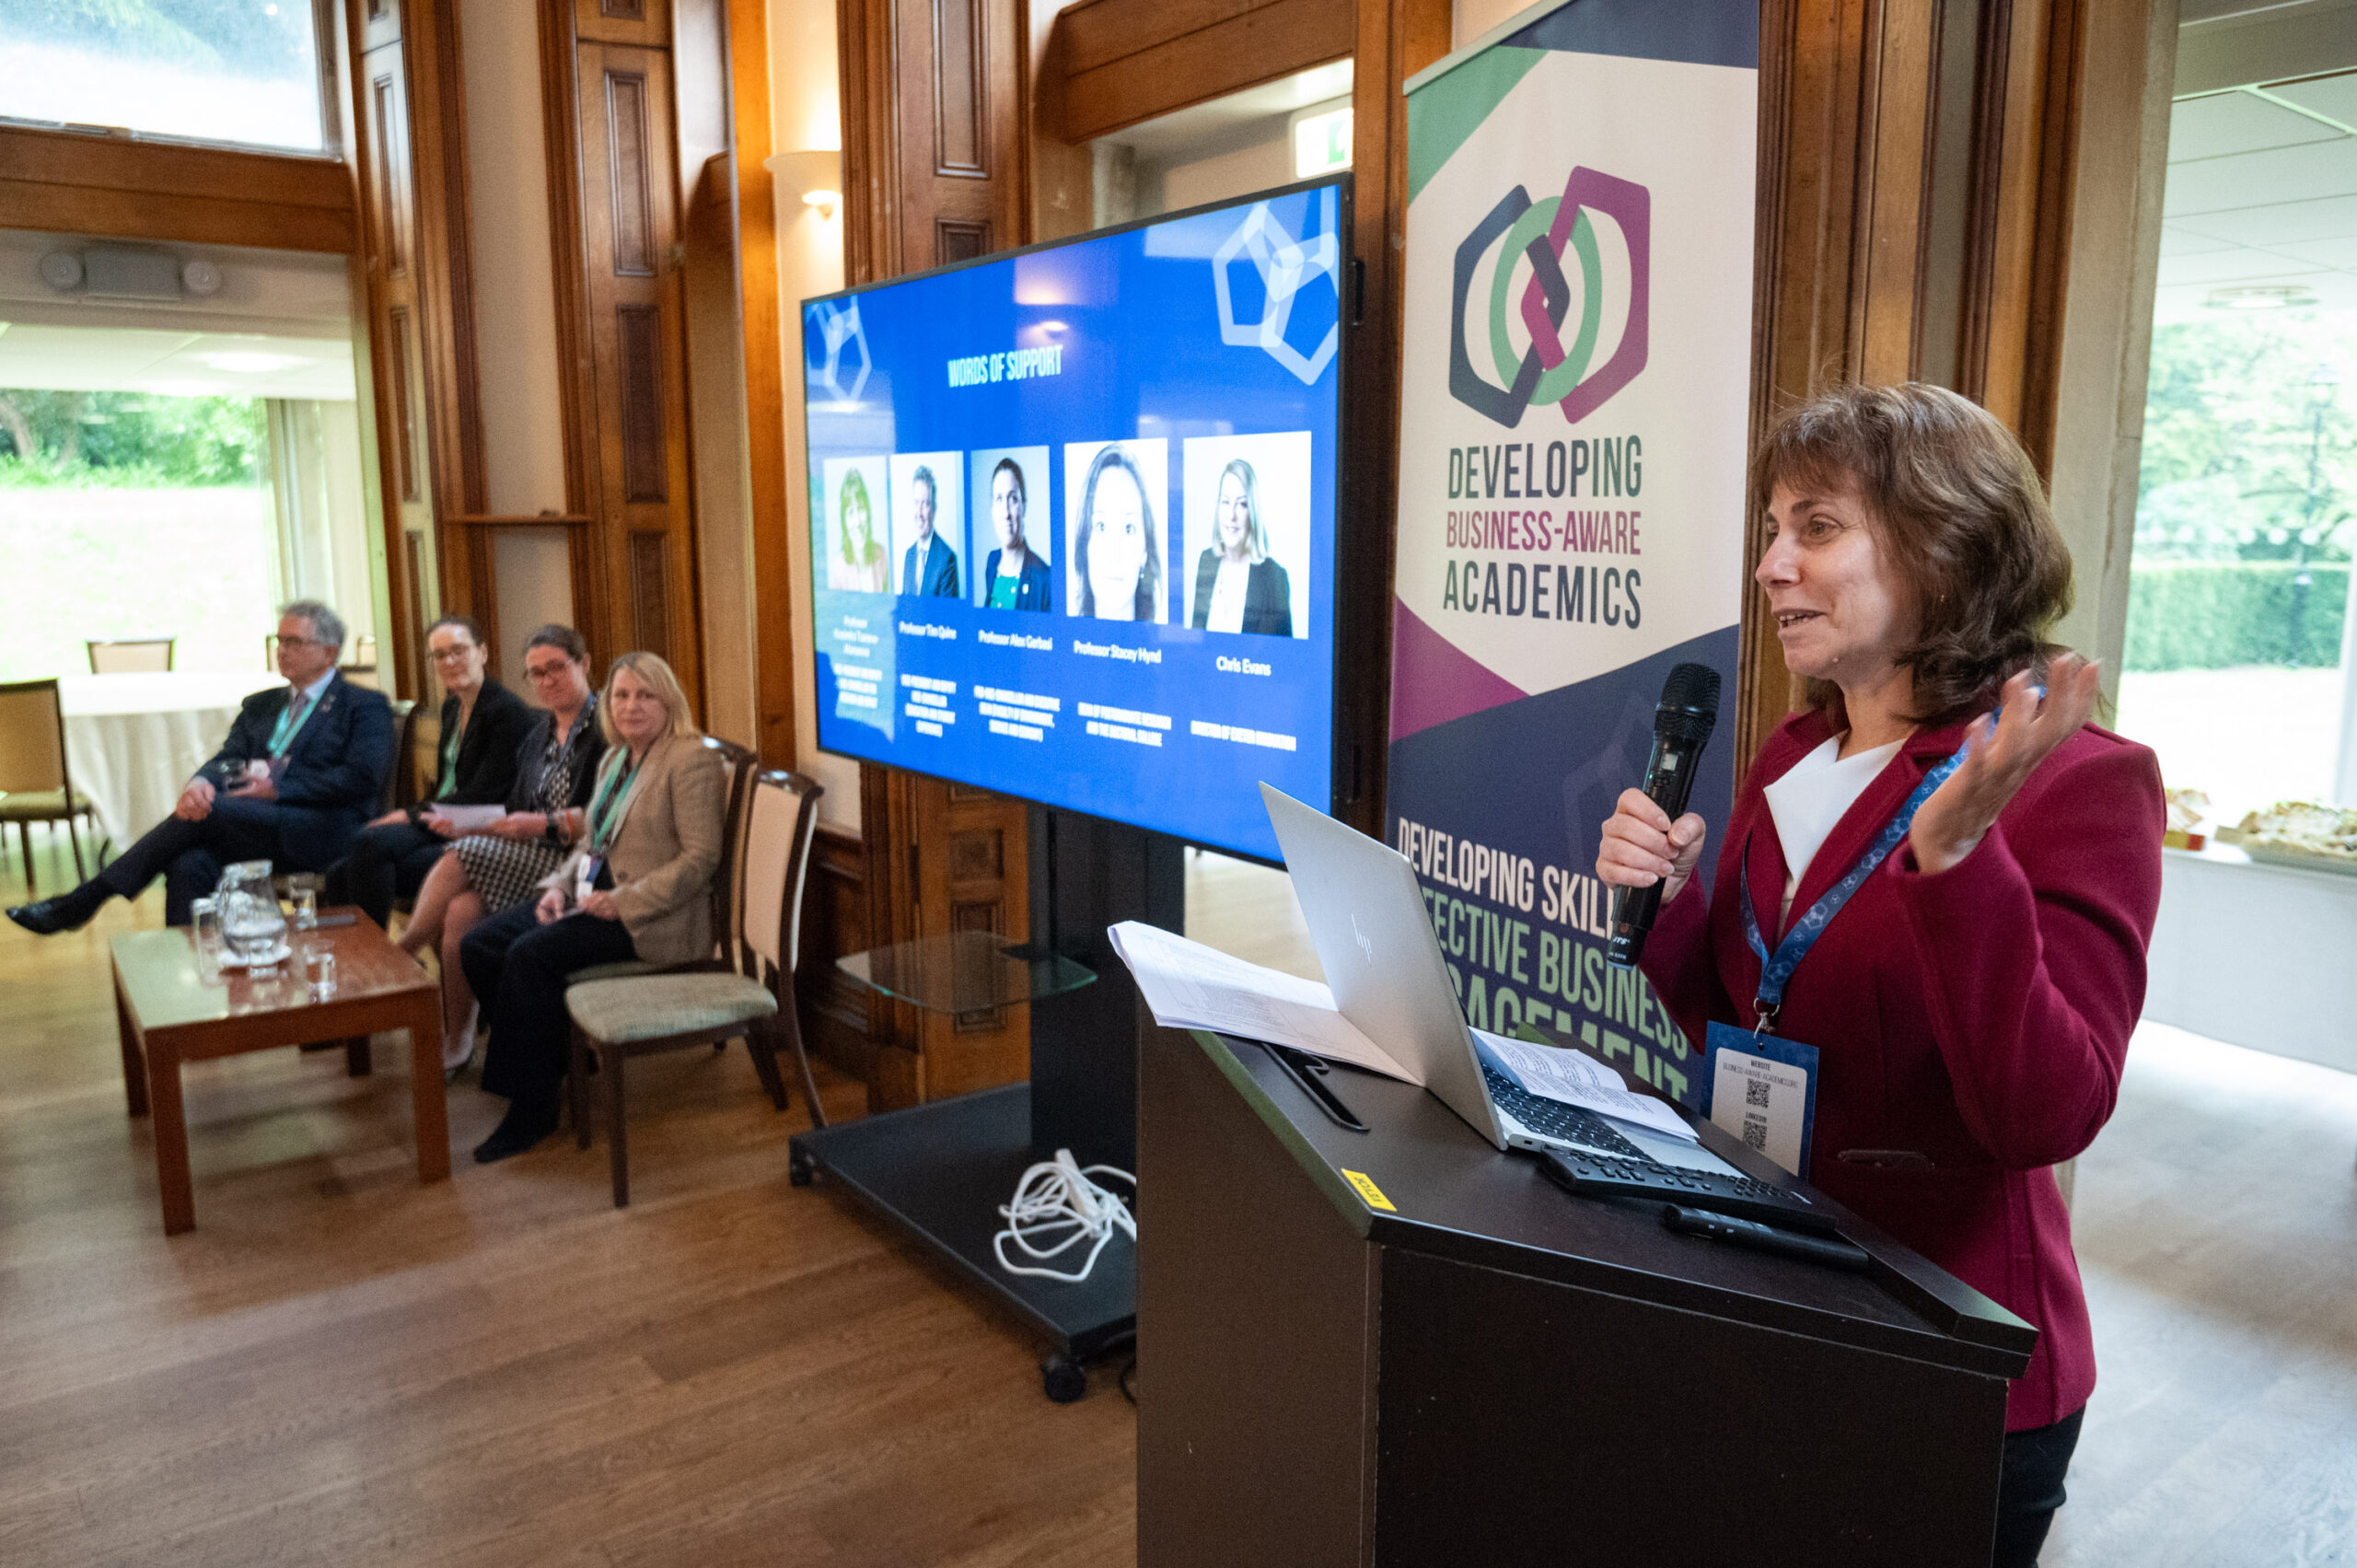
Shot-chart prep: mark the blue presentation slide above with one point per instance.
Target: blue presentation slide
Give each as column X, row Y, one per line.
column 1072, row 518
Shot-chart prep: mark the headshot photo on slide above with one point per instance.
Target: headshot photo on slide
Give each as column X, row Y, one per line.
column 857, row 555
column 929, row 552
column 1246, row 537
column 1015, row 529
column 1119, row 492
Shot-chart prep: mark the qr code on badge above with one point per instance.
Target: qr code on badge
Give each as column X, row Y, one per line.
column 1755, row 1132
column 1755, row 1092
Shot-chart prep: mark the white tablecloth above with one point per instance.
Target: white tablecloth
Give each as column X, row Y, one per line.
column 133, row 740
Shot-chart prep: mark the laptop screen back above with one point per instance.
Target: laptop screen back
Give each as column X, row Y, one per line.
column 1366, row 917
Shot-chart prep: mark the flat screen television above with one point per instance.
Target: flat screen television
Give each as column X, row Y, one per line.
column 1073, row 516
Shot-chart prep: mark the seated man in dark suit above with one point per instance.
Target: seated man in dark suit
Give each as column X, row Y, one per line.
column 300, row 774
column 929, row 567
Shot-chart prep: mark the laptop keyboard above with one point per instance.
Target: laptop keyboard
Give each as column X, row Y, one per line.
column 1555, row 1119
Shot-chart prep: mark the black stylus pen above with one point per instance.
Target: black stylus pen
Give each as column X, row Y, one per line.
column 1310, row 1074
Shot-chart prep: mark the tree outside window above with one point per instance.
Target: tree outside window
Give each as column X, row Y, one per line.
column 2240, row 584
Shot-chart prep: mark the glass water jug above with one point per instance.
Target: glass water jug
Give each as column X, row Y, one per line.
column 252, row 923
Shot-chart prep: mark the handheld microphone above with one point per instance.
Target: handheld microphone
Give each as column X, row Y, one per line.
column 1683, row 720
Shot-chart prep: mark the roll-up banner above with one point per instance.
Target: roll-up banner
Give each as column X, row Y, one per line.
column 1574, row 393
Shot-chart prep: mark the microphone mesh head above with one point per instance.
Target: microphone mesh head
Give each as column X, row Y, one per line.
column 1690, row 702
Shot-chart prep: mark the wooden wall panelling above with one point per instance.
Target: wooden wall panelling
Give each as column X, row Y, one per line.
column 766, row 353
column 85, row 182
column 965, row 186
column 935, row 167
column 844, row 1020
column 1918, row 161
column 1393, row 41
column 409, row 174
column 617, row 232
column 480, row 535
column 1124, row 60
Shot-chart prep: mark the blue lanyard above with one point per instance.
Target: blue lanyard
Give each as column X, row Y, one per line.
column 1776, row 972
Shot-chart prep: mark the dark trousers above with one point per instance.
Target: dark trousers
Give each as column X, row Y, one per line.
column 385, row 863
column 518, row 968
column 189, row 855
column 2029, row 1488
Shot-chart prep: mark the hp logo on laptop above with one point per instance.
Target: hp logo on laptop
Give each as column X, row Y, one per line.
column 1366, row 945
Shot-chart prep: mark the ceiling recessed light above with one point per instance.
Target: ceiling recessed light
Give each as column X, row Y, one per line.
column 2260, row 296
column 250, row 364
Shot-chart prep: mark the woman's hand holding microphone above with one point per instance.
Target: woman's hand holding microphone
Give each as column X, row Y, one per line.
column 1643, row 846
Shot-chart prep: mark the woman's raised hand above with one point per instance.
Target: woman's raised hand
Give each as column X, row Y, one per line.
column 1643, row 846
column 2001, row 754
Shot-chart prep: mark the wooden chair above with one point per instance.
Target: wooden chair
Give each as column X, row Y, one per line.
column 35, row 783
column 727, row 940
column 141, row 655
column 635, row 1015
column 401, row 778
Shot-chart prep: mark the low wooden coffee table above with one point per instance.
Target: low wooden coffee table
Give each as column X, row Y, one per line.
column 171, row 1011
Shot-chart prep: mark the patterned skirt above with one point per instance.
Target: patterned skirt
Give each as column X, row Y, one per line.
column 502, row 872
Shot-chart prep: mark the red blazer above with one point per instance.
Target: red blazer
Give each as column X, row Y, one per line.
column 1978, row 1016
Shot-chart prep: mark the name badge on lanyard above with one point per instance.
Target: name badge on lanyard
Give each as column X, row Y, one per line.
column 606, row 811
column 1762, row 1089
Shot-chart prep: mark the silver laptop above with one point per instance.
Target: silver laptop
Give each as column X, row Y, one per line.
column 1383, row 963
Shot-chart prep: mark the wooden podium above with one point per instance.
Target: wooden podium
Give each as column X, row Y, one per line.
column 1494, row 1372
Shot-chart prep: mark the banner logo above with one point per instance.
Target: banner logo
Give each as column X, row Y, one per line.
column 1549, row 370
column 839, row 328
column 1286, row 266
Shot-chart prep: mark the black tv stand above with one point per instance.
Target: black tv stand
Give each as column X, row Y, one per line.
column 937, row 1172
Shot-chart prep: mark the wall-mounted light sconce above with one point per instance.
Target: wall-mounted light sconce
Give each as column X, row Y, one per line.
column 815, row 174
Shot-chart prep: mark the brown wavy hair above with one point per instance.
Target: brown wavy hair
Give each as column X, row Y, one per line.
column 1958, row 509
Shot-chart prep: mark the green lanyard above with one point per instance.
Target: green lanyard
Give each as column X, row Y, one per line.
column 283, row 735
column 606, row 807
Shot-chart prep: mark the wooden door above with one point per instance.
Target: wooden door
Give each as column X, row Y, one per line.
column 616, row 191
column 936, row 170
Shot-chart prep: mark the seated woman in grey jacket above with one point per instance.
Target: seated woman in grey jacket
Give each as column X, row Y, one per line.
column 637, row 885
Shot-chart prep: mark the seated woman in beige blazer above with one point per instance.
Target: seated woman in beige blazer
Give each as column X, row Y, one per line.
column 637, row 885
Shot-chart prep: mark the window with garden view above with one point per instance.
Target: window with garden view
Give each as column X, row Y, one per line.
column 133, row 515
column 2238, row 606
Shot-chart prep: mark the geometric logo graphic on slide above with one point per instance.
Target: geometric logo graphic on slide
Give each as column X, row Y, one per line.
column 1286, row 266
column 1551, row 370
column 838, row 330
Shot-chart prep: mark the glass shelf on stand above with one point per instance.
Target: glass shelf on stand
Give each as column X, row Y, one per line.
column 965, row 971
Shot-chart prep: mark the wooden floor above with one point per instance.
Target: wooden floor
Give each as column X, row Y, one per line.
column 339, row 1366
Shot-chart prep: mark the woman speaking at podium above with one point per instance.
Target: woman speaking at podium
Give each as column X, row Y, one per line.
column 1971, row 1001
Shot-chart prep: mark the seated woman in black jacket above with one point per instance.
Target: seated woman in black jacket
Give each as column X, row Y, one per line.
column 484, row 873
column 482, row 724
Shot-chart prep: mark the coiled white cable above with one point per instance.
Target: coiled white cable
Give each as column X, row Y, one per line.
column 1058, row 1196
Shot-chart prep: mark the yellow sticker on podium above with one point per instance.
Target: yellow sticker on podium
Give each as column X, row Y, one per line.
column 1369, row 1190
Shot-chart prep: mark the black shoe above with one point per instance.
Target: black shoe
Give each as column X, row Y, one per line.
column 67, row 912
column 522, row 1127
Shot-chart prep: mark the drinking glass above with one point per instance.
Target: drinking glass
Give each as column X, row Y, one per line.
column 205, row 922
column 307, row 903
column 318, row 970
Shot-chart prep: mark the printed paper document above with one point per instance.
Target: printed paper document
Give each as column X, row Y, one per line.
column 467, row 818
column 1578, row 1080
column 1190, row 986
